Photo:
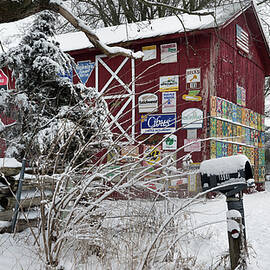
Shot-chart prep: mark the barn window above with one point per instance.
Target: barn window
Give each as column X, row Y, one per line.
column 242, row 39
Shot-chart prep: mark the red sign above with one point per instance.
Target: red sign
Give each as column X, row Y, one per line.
column 3, row 79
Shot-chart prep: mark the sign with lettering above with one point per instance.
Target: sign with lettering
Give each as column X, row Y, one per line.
column 149, row 52
column 192, row 118
column 169, row 83
column 168, row 102
column 68, row 74
column 170, row 142
column 152, row 155
column 192, row 145
column 158, row 123
column 3, row 80
column 193, row 78
column 84, row 69
column 168, row 53
column 148, row 103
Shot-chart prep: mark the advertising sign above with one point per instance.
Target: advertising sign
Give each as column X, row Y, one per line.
column 240, row 95
column 158, row 123
column 191, row 98
column 169, row 83
column 193, row 78
column 170, row 142
column 148, row 103
column 150, row 52
column 152, row 155
column 193, row 145
column 67, row 74
column 84, row 70
column 3, row 80
column 168, row 102
column 168, row 53
column 192, row 118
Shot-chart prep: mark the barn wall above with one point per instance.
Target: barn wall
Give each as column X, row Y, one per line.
column 234, row 67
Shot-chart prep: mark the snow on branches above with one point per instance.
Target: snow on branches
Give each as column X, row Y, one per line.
column 55, row 116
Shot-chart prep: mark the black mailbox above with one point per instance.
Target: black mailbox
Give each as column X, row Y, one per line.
column 228, row 175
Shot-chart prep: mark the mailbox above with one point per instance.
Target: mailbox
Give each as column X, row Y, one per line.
column 228, row 175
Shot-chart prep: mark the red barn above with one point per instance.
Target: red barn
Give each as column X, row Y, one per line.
column 200, row 83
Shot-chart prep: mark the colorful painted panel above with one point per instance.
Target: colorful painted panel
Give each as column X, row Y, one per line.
column 213, row 149
column 239, row 114
column 219, row 128
column 229, row 110
column 229, row 131
column 243, row 115
column 241, row 95
column 247, row 112
column 235, row 149
column 263, row 138
column 252, row 119
column 224, row 149
column 213, row 127
column 261, row 173
column 224, row 109
column 239, row 134
column 230, row 149
column 247, row 135
column 239, row 149
column 234, row 132
column 261, row 153
column 251, row 159
column 219, row 149
column 219, row 107
column 224, row 129
column 234, row 112
column 252, row 136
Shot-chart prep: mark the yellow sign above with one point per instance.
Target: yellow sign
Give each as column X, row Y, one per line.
column 191, row 98
column 152, row 156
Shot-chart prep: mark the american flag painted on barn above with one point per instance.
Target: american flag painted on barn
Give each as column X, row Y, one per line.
column 242, row 39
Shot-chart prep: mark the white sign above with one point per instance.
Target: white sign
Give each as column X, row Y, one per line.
column 168, row 102
column 168, row 53
column 148, row 103
column 192, row 118
column 191, row 133
column 169, row 83
column 150, row 52
column 170, row 142
column 193, row 145
column 193, row 78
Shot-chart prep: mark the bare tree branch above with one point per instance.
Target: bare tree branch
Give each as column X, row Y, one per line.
column 176, row 9
column 15, row 10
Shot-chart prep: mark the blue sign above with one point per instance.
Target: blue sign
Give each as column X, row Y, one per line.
column 68, row 74
column 158, row 123
column 84, row 70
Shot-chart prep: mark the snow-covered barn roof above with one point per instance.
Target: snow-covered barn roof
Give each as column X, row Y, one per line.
column 155, row 27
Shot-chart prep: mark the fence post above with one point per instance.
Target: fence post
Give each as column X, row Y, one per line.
column 18, row 196
column 236, row 230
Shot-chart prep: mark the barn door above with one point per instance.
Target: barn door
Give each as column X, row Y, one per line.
column 115, row 79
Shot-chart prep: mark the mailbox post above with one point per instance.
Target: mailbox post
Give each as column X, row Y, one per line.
column 229, row 176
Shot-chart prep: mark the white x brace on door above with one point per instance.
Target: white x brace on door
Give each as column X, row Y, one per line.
column 126, row 94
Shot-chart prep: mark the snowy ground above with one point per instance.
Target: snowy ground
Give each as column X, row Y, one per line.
column 16, row 254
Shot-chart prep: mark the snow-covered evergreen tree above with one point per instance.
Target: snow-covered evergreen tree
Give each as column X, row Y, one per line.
column 54, row 116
